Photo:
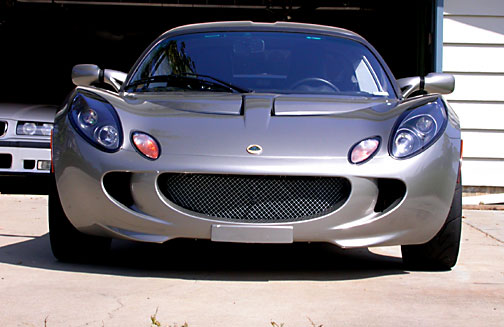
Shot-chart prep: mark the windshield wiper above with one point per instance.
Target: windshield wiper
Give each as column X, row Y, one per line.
column 178, row 80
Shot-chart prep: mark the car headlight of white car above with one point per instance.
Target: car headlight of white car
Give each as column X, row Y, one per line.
column 34, row 128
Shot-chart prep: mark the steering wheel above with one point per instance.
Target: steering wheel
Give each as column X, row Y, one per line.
column 317, row 80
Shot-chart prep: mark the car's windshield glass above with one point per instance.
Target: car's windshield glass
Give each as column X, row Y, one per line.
column 272, row 62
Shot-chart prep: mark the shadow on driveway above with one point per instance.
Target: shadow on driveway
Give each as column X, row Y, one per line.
column 24, row 184
column 205, row 260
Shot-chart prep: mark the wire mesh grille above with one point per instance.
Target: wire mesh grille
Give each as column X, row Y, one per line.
column 256, row 198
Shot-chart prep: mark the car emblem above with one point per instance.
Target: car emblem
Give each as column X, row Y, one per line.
column 254, row 149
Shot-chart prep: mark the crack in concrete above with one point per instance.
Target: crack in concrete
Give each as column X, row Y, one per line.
column 110, row 313
column 482, row 231
column 121, row 305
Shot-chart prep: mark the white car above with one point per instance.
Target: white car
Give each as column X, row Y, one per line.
column 25, row 132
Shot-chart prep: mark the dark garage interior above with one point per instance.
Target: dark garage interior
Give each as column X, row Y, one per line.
column 42, row 39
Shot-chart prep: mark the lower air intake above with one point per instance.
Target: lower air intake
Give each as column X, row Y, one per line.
column 3, row 128
column 255, row 199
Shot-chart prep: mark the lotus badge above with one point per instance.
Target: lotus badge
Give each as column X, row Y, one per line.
column 254, row 149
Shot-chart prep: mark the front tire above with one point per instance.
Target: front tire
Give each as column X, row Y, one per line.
column 67, row 243
column 441, row 252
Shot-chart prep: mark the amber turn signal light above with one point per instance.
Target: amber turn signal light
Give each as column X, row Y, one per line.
column 146, row 145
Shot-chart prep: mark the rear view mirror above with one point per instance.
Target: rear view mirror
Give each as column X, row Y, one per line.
column 432, row 83
column 87, row 74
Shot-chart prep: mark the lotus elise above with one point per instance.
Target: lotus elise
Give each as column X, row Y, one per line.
column 257, row 133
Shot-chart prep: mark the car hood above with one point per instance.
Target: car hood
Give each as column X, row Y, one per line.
column 27, row 112
column 234, row 104
column 283, row 125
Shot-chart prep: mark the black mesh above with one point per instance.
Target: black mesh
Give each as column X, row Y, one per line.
column 255, row 198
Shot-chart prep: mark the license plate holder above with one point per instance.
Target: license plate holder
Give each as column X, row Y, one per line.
column 252, row 234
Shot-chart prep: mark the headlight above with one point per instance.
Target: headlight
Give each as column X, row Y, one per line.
column 417, row 129
column 33, row 128
column 96, row 120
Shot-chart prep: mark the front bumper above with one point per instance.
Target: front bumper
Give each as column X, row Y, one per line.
column 24, row 160
column 429, row 180
column 23, row 154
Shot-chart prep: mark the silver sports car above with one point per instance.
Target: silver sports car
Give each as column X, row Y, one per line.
column 258, row 133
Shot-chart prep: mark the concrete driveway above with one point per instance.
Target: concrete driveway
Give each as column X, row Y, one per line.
column 207, row 284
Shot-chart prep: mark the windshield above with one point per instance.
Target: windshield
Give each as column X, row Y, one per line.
column 269, row 62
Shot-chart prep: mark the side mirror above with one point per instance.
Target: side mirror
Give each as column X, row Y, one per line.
column 432, row 83
column 87, row 74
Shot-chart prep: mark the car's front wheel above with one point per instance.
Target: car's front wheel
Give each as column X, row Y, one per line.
column 67, row 243
column 441, row 252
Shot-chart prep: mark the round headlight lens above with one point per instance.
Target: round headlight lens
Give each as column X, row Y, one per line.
column 425, row 124
column 87, row 118
column 46, row 129
column 108, row 136
column 29, row 128
column 404, row 143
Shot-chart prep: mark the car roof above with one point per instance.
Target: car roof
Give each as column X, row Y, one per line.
column 277, row 26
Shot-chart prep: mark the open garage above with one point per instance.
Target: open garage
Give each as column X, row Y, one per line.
column 43, row 39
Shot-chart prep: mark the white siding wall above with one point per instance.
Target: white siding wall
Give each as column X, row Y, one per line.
column 473, row 50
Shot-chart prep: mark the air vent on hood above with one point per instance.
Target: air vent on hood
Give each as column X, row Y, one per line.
column 307, row 105
column 207, row 104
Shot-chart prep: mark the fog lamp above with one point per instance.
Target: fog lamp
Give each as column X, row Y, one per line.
column 44, row 164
